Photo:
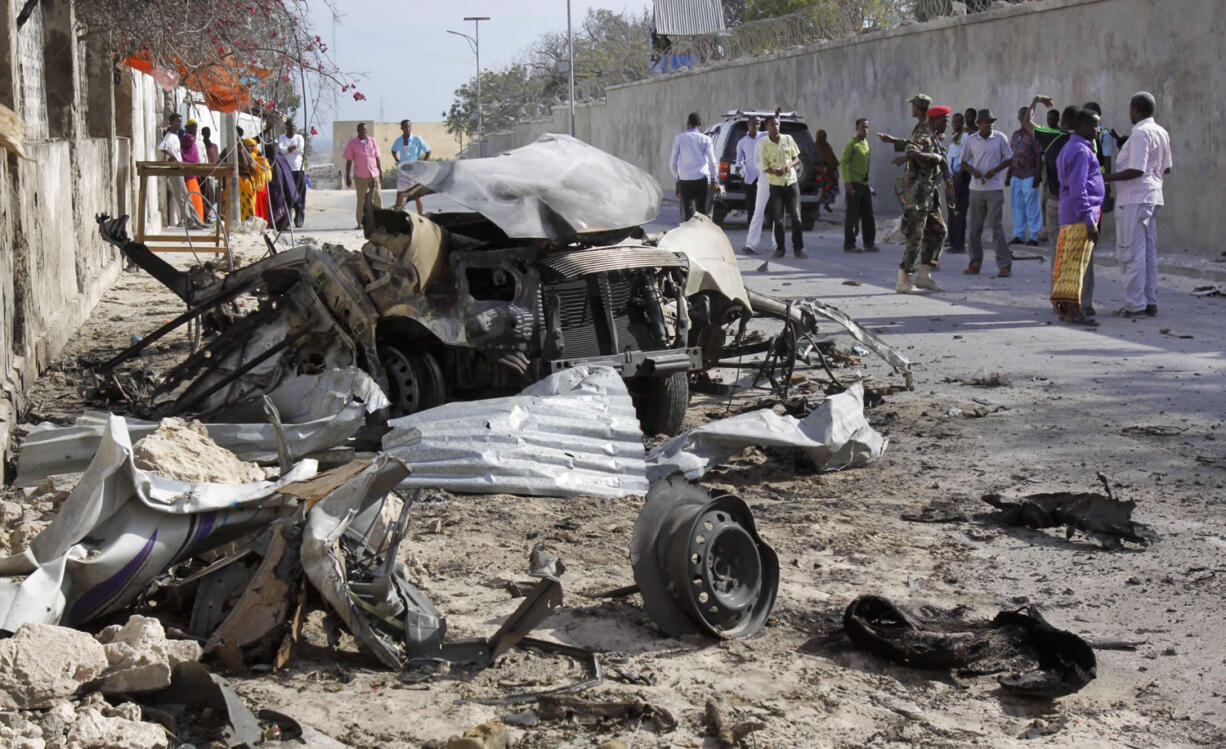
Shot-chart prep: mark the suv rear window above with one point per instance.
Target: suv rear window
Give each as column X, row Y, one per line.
column 798, row 130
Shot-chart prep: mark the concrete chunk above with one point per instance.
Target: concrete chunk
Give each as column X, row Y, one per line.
column 42, row 664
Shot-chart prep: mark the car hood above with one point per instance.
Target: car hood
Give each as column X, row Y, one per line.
column 555, row 188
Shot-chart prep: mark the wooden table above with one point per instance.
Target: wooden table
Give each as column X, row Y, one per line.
column 217, row 242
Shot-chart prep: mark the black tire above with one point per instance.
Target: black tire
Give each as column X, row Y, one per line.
column 415, row 380
column 661, row 402
column 808, row 216
column 718, row 213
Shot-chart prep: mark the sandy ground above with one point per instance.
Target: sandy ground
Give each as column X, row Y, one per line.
column 1074, row 394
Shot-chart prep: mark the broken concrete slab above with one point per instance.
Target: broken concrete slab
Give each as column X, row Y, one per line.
column 93, row 730
column 574, row 433
column 183, row 450
column 835, row 435
column 41, row 664
column 141, row 657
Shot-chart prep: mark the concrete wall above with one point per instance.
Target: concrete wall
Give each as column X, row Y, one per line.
column 53, row 266
column 1073, row 50
column 443, row 145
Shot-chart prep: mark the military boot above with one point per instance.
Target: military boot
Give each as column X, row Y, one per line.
column 923, row 279
column 904, row 283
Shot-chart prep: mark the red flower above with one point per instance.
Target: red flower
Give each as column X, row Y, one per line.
column 359, row 96
column 314, row 131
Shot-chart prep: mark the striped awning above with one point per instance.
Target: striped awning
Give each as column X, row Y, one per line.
column 688, row 17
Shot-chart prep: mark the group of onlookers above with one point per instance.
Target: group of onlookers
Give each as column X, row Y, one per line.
column 1060, row 172
column 272, row 179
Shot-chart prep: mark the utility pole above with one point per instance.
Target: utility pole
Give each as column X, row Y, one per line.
column 475, row 43
column 570, row 47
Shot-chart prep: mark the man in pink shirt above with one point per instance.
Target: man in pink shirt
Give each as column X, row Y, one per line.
column 362, row 159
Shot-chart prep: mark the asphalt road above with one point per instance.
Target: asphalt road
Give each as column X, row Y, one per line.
column 1124, row 370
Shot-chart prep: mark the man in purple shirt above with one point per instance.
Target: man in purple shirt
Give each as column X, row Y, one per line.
column 1081, row 204
column 362, row 158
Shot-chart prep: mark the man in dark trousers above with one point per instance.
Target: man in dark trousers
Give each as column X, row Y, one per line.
column 858, row 194
column 693, row 167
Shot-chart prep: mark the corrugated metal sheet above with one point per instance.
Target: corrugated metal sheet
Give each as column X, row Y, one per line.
column 575, row 433
column 689, row 17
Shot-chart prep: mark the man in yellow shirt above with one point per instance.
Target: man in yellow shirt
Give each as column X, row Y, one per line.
column 778, row 157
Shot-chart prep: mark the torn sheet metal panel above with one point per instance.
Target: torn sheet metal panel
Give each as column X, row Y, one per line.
column 121, row 527
column 319, row 411
column 554, row 188
column 835, row 436
column 575, row 433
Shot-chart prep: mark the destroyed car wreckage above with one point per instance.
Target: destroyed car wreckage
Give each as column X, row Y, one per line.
column 550, row 270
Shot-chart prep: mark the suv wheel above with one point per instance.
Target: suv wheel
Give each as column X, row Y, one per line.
column 661, row 402
column 414, row 380
column 718, row 213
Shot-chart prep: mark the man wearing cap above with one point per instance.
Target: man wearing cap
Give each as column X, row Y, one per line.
column 922, row 225
column 919, row 110
column 985, row 156
column 407, row 148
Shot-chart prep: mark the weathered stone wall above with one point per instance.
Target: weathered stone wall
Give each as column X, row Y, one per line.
column 53, row 266
column 1073, row 50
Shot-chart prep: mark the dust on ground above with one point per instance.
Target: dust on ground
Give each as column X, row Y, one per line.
column 838, row 536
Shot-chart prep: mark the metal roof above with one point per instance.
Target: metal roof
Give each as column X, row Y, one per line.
column 688, row 17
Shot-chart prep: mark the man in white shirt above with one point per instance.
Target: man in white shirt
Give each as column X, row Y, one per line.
column 693, row 166
column 178, row 211
column 985, row 156
column 291, row 145
column 755, row 199
column 1141, row 164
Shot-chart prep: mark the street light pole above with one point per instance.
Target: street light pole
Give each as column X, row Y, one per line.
column 476, row 42
column 570, row 46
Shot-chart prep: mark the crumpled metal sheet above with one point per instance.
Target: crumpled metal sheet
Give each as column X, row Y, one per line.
column 323, row 560
column 554, row 188
column 317, row 412
column 835, row 435
column 574, row 433
column 121, row 527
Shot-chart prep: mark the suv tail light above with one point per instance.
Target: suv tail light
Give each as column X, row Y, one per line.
column 723, row 170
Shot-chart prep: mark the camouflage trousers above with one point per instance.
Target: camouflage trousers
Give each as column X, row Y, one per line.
column 923, row 228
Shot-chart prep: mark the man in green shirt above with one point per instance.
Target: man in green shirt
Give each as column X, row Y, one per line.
column 778, row 156
column 859, row 196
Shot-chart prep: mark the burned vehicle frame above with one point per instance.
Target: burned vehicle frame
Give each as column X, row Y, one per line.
column 549, row 269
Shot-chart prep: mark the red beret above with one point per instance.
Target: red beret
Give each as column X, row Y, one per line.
column 941, row 111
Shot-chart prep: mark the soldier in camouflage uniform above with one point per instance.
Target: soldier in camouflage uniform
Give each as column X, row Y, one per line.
column 922, row 223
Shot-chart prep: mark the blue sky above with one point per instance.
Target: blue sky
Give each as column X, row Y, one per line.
column 412, row 66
